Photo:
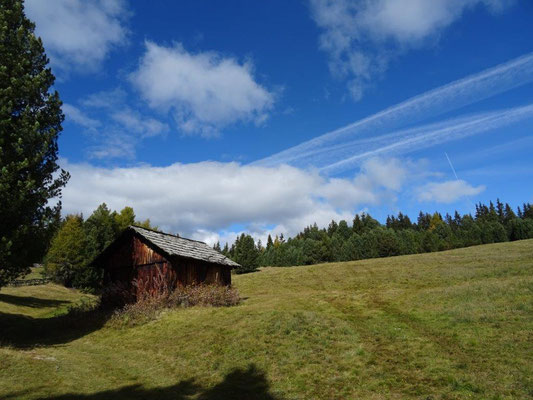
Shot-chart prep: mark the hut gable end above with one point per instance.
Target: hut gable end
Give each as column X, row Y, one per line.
column 144, row 254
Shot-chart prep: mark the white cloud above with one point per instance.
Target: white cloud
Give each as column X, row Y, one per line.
column 77, row 116
column 390, row 173
column 204, row 91
column 135, row 122
column 79, row 34
column 448, row 192
column 203, row 199
column 112, row 143
column 107, row 99
column 361, row 36
column 120, row 127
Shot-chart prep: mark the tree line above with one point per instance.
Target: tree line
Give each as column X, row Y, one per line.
column 366, row 237
column 78, row 241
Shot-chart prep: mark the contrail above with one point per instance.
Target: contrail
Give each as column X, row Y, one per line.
column 457, row 178
column 454, row 95
column 426, row 136
column 451, row 166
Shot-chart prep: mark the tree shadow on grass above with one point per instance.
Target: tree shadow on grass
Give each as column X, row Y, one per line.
column 22, row 331
column 29, row 301
column 249, row 384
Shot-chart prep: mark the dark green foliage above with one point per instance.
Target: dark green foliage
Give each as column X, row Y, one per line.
column 125, row 218
column 332, row 228
column 402, row 222
column 352, row 249
column 30, row 123
column 344, row 230
column 67, row 254
column 270, row 243
column 246, row 254
column 469, row 232
column 519, row 229
column 78, row 242
column 387, row 243
column 146, row 224
column 367, row 238
column 335, row 246
column 430, row 242
column 410, row 241
column 364, row 223
column 101, row 229
column 423, row 221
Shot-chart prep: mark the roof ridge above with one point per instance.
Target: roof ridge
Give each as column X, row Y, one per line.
column 168, row 234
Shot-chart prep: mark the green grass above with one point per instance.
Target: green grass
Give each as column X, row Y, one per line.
column 449, row 325
column 35, row 273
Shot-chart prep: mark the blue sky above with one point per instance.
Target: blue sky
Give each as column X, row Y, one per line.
column 213, row 118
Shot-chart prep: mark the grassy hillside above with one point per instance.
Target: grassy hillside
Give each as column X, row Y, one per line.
column 450, row 325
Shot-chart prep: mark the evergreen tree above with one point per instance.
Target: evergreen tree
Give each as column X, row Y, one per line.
column 335, row 247
column 409, row 241
column 527, row 211
column 519, row 229
column 146, row 224
column 30, row 123
column 369, row 223
column 436, row 219
column 125, row 218
column 100, row 229
column 66, row 256
column 357, row 225
column 369, row 245
column 332, row 228
column 217, row 246
column 457, row 221
column 404, row 222
column 423, row 221
column 508, row 213
column 387, row 242
column 246, row 254
column 270, row 243
column 470, row 233
column 351, row 249
column 445, row 234
column 500, row 210
column 344, row 230
column 430, row 241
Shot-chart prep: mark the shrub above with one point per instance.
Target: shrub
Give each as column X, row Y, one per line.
column 150, row 306
column 117, row 295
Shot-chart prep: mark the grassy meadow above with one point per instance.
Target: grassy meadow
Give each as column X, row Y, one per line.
column 448, row 325
column 35, row 273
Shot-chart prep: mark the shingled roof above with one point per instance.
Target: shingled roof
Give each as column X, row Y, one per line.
column 182, row 247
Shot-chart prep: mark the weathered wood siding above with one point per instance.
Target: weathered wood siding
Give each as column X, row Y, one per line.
column 194, row 272
column 135, row 259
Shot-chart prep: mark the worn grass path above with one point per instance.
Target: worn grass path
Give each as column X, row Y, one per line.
column 449, row 325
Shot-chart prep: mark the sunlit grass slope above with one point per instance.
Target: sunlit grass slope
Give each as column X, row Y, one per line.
column 449, row 325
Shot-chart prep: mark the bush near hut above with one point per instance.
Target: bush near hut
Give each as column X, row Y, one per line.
column 158, row 294
column 148, row 308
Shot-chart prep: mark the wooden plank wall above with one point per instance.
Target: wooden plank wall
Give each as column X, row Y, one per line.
column 134, row 259
column 194, row 272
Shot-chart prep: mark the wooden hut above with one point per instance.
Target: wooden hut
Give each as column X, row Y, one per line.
column 147, row 256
